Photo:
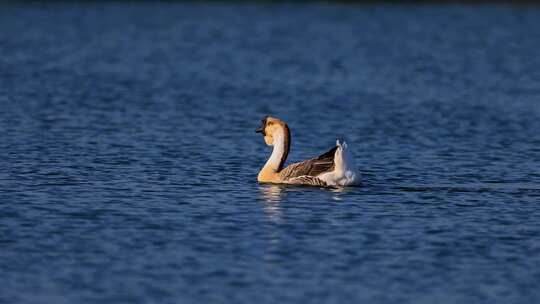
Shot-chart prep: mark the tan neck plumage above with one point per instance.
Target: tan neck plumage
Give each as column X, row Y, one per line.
column 282, row 144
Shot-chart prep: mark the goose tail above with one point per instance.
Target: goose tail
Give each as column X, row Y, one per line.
column 345, row 173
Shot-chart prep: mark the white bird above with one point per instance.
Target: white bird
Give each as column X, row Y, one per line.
column 331, row 169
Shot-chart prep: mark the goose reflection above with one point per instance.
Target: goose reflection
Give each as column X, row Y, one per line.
column 272, row 196
column 337, row 193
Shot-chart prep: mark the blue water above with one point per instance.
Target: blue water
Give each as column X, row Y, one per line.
column 129, row 159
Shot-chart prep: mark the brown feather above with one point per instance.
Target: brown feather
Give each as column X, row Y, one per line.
column 311, row 167
column 307, row 180
column 287, row 143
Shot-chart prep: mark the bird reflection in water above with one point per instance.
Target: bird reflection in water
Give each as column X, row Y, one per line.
column 337, row 193
column 272, row 196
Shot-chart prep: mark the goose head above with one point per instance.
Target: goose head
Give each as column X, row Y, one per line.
column 270, row 128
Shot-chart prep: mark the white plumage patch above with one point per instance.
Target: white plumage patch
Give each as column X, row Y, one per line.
column 344, row 173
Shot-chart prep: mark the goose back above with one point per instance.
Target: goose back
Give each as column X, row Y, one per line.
column 311, row 167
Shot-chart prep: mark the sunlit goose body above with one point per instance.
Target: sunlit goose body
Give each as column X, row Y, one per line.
column 331, row 169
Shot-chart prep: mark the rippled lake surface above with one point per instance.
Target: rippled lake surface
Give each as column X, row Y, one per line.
column 128, row 158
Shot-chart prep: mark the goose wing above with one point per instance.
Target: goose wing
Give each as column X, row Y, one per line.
column 307, row 180
column 311, row 167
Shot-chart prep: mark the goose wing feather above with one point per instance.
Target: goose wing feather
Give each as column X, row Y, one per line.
column 307, row 180
column 311, row 167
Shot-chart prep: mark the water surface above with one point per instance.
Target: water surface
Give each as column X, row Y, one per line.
column 129, row 159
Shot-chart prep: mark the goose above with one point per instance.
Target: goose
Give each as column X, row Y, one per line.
column 330, row 169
